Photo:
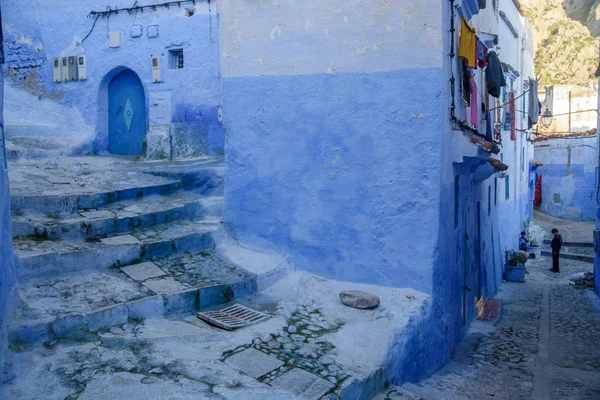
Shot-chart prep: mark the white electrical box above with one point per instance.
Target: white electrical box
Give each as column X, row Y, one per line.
column 73, row 75
column 155, row 68
column 82, row 67
column 114, row 39
column 64, row 68
column 56, row 70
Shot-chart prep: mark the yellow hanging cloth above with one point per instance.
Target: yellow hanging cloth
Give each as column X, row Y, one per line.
column 468, row 44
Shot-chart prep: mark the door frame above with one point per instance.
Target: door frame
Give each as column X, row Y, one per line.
column 101, row 140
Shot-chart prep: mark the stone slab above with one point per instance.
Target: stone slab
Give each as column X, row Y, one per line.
column 97, row 214
column 143, row 271
column 303, row 384
column 120, row 240
column 164, row 285
column 254, row 363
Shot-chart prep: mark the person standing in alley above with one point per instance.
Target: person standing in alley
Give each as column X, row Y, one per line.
column 556, row 246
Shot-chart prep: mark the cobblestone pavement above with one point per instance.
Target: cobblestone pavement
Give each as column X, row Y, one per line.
column 546, row 346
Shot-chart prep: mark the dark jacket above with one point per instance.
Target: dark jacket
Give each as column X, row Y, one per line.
column 556, row 243
column 522, row 243
column 494, row 75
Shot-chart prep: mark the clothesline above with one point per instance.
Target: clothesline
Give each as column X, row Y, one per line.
column 507, row 103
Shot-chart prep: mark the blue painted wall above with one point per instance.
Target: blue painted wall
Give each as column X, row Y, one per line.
column 8, row 295
column 572, row 177
column 334, row 185
column 72, row 116
column 325, row 143
column 339, row 153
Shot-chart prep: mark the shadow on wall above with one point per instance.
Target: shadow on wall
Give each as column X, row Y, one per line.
column 8, row 289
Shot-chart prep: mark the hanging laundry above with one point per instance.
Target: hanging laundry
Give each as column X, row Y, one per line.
column 484, row 92
column 481, row 54
column 506, row 111
column 534, row 104
column 489, row 133
column 513, row 119
column 465, row 82
column 497, row 135
column 474, row 105
column 469, row 8
column 467, row 44
column 494, row 75
column 538, row 193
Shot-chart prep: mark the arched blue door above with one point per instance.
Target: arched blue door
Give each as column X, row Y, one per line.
column 126, row 114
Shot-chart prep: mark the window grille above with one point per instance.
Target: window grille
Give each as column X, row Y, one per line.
column 176, row 60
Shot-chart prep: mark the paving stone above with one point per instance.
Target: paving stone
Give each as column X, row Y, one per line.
column 359, row 299
column 97, row 214
column 143, row 271
column 164, row 285
column 254, row 363
column 303, row 384
column 120, row 240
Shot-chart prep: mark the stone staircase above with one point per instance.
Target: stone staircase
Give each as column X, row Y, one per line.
column 133, row 244
column 580, row 251
column 116, row 258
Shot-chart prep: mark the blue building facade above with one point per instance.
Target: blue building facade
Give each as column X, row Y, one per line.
column 336, row 124
column 8, row 291
column 341, row 153
column 568, row 177
column 173, row 53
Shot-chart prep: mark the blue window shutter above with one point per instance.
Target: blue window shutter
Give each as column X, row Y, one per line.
column 507, row 187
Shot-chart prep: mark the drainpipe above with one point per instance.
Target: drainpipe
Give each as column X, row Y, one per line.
column 569, row 130
column 597, row 227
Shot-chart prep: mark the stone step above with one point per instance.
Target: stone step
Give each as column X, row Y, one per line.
column 572, row 251
column 70, row 203
column 118, row 217
column 72, row 304
column 47, row 257
column 570, row 256
column 68, row 184
column 572, row 244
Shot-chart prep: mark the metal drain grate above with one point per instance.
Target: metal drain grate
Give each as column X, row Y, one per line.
column 233, row 317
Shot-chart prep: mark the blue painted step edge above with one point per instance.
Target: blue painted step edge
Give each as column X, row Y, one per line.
column 572, row 244
column 568, row 256
column 181, row 303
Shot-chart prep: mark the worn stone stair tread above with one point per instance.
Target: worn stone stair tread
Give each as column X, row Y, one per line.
column 127, row 215
column 100, row 174
column 60, row 304
column 28, row 247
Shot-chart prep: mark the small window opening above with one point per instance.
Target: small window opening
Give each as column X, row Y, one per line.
column 176, row 59
column 556, row 198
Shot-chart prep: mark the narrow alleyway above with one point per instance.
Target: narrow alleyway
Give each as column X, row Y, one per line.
column 546, row 346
